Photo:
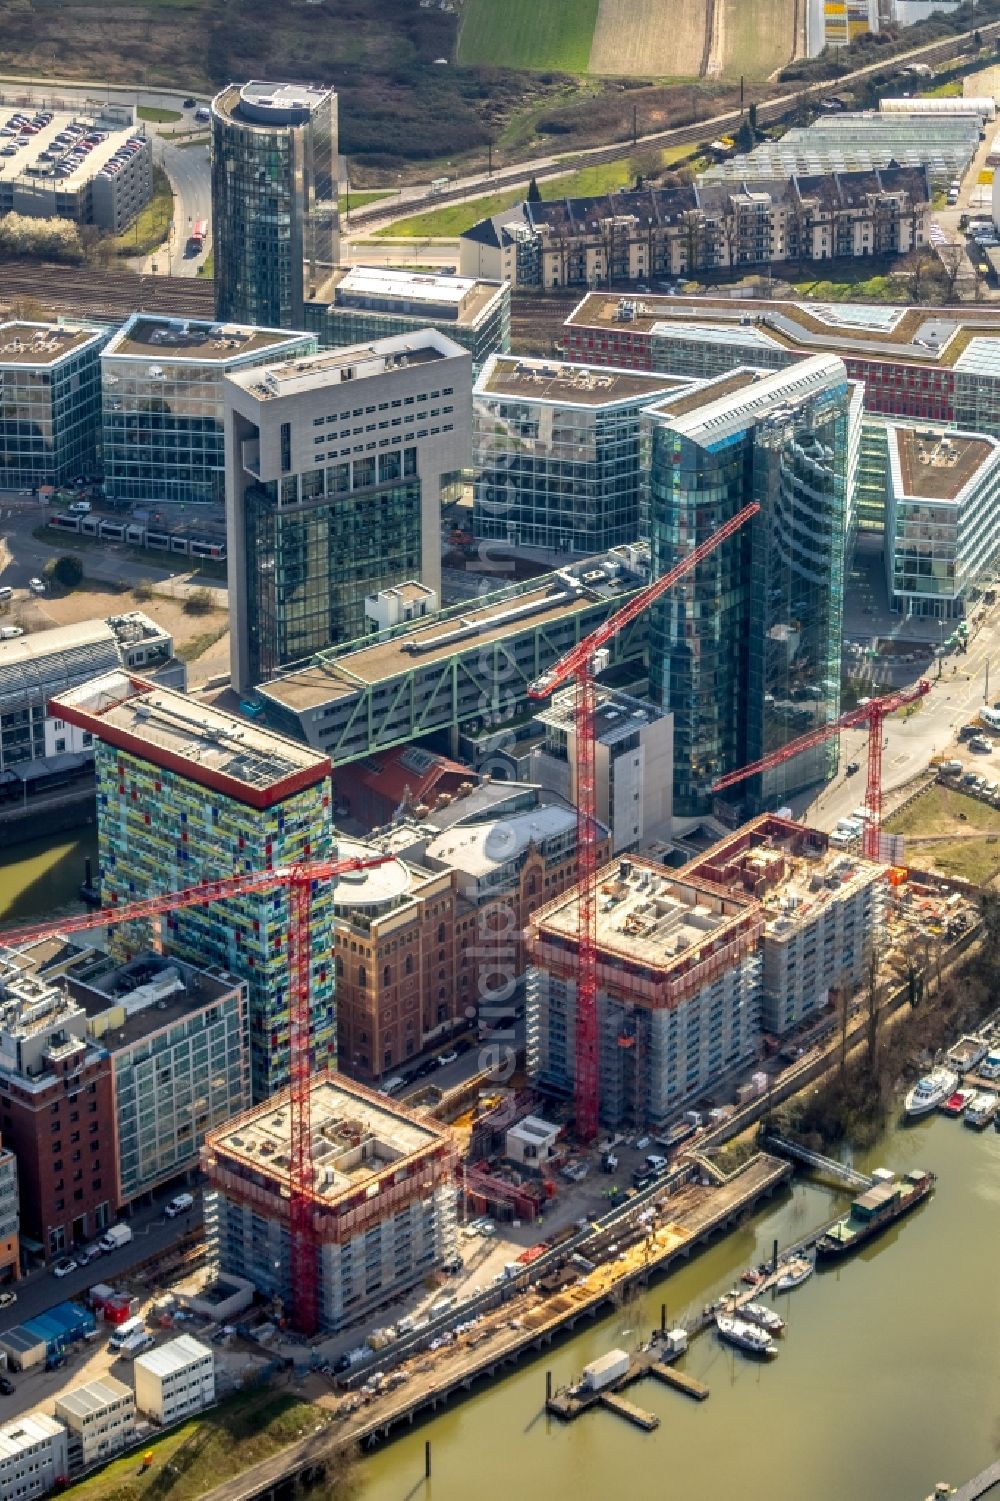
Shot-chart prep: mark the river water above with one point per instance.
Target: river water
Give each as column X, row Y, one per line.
column 41, row 878
column 888, row 1377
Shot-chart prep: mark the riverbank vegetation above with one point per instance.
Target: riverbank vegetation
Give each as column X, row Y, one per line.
column 854, row 1103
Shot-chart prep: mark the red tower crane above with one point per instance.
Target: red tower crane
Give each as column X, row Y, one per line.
column 578, row 666
column 873, row 715
column 299, row 880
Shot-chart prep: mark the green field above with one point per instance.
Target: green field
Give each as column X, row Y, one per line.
column 532, row 34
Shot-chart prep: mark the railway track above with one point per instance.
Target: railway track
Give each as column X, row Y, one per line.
column 698, row 131
column 88, row 292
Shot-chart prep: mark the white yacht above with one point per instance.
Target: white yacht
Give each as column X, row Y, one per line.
column 764, row 1317
column 796, row 1271
column 930, row 1091
column 745, row 1336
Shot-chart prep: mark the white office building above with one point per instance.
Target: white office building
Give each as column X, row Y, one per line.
column 100, row 1418
column 175, row 1379
column 33, row 1457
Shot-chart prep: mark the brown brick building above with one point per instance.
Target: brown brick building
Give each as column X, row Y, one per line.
column 56, row 1107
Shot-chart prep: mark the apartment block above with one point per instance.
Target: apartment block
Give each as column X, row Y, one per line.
column 92, row 165
column 384, row 1206
column 163, row 403
column 179, row 1040
column 633, row 763
column 821, row 910
column 274, row 199
column 50, row 403
column 336, row 468
column 745, row 652
column 679, row 990
column 34, row 1457
column 556, row 454
column 186, row 793
column 758, row 218
column 99, row 1418
column 56, row 1104
column 942, row 536
column 36, row 667
column 175, row 1380
column 360, row 304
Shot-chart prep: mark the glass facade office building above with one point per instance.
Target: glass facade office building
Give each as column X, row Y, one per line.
column 274, row 199
column 745, row 652
column 556, row 454
column 50, row 403
column 164, row 405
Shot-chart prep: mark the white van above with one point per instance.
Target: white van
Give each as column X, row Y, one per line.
column 6, row 593
column 990, row 718
column 136, row 1344
column 125, row 1331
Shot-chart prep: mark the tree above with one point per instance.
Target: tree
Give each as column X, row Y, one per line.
column 199, row 602
column 534, row 191
column 68, row 571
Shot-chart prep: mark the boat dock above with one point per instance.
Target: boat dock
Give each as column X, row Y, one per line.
column 628, row 1410
column 572, row 1401
column 980, row 1485
column 679, row 1380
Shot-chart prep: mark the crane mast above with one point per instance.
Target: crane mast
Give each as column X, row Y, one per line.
column 298, row 879
column 579, row 667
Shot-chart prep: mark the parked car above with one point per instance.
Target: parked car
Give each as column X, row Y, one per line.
column 63, row 1267
column 7, row 1298
column 36, row 585
column 85, row 1254
column 7, row 1387
column 179, row 1205
column 190, row 103
column 450, row 1057
column 852, row 767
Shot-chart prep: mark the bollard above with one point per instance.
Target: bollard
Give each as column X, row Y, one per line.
column 427, row 1460
column 663, row 1318
column 774, row 1258
column 548, row 1386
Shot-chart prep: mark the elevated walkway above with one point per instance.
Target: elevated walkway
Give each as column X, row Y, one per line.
column 838, row 1171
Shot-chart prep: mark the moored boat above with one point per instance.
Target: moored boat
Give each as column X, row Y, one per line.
column 930, row 1091
column 982, row 1108
column 957, row 1102
column 871, row 1213
column 745, row 1336
column 796, row 1271
column 765, row 1318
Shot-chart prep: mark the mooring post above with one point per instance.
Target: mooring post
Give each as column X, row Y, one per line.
column 774, row 1258
column 548, row 1386
column 663, row 1318
column 427, row 1459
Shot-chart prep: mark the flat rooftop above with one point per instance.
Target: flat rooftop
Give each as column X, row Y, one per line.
column 352, row 362
column 435, row 640
column 478, row 849
column 358, row 1138
column 381, row 289
column 130, row 1001
column 649, row 915
column 569, row 385
column 42, row 343
column 616, row 716
column 159, row 339
column 707, row 391
column 199, row 742
column 923, row 335
column 792, row 871
column 93, row 1398
column 938, row 465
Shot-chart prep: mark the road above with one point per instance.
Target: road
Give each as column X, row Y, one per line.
column 153, row 1234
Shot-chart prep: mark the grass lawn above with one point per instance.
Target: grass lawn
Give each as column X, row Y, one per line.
column 359, row 197
column 453, row 219
column 152, row 223
column 207, row 267
column 188, row 651
column 534, row 34
column 879, row 288
column 974, row 853
column 241, row 1432
column 159, row 116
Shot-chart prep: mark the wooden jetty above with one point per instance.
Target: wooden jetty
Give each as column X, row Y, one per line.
column 628, row 1410
column 679, row 1380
